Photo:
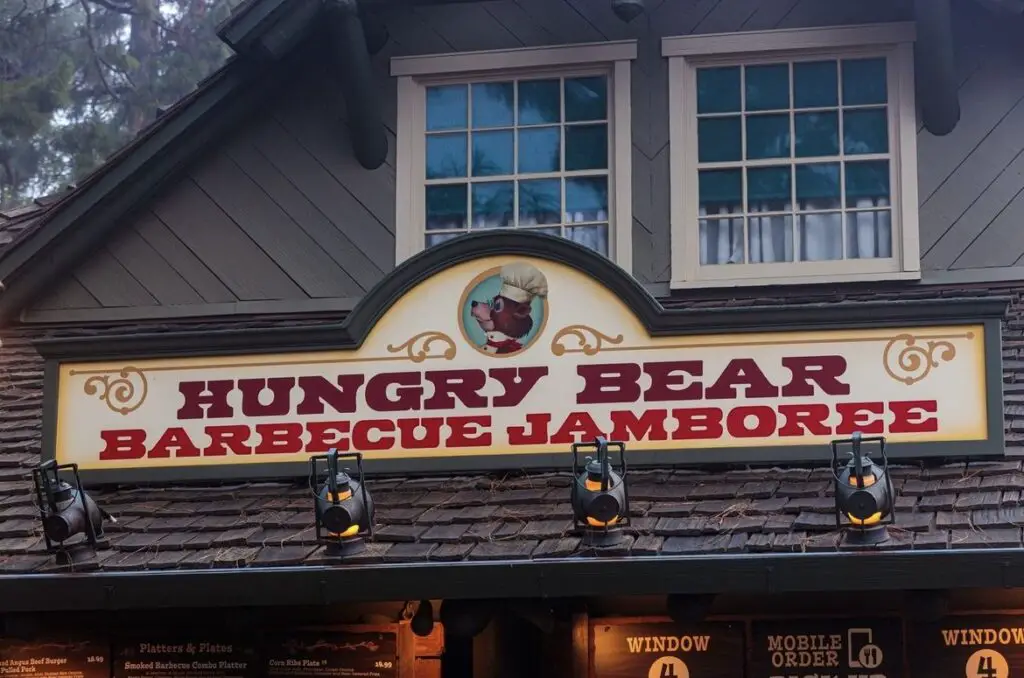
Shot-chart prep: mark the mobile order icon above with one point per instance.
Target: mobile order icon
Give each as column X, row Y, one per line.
column 862, row 651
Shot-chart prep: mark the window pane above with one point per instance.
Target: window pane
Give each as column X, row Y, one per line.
column 770, row 239
column 540, row 150
column 767, row 87
column 767, row 136
column 815, row 84
column 540, row 202
column 586, row 147
column 492, row 204
column 539, row 102
column 447, row 107
column 594, row 236
column 821, row 237
column 718, row 90
column 869, row 235
column 867, row 183
column 817, row 186
column 721, row 241
column 865, row 131
column 721, row 191
column 492, row 153
column 446, row 155
column 492, row 104
column 864, row 82
column 719, row 139
column 816, row 134
column 586, row 199
column 446, row 207
column 557, row 230
column 438, row 238
column 769, row 189
column 586, row 99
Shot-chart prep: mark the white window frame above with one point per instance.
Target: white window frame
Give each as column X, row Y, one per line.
column 685, row 54
column 415, row 74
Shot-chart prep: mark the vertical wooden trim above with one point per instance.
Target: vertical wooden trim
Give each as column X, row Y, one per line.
column 676, row 169
column 906, row 157
column 408, row 227
column 580, row 645
column 622, row 167
column 406, row 650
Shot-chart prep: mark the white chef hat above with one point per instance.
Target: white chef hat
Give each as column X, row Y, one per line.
column 522, row 282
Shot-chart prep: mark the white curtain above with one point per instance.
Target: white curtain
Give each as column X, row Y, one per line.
column 772, row 239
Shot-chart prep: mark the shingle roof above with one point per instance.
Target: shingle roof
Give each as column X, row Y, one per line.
column 491, row 517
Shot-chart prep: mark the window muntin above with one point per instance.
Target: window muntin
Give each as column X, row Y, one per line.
column 531, row 153
column 794, row 161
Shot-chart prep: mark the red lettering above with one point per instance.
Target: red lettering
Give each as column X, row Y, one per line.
column 370, row 434
column 741, row 372
column 517, row 382
column 224, row 439
column 318, row 391
column 451, row 384
column 823, row 370
column 407, row 429
column 174, row 442
column 534, row 433
column 910, row 416
column 738, row 419
column 667, row 376
column 469, row 431
column 280, row 401
column 279, row 438
column 318, row 436
column 801, row 420
column 578, row 427
column 129, row 443
column 408, row 392
column 212, row 395
column 612, row 383
column 857, row 417
column 648, row 426
column 698, row 423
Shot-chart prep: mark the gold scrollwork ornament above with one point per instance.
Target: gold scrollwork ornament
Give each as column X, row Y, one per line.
column 589, row 341
column 123, row 392
column 419, row 347
column 914, row 361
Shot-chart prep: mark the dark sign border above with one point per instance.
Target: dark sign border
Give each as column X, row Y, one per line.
column 658, row 321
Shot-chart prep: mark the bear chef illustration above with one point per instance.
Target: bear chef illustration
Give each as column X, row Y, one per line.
column 508, row 317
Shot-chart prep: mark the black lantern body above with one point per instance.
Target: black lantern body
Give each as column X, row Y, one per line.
column 344, row 508
column 600, row 500
column 863, row 491
column 65, row 509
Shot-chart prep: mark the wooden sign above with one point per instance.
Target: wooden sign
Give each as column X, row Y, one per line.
column 667, row 650
column 54, row 658
column 859, row 648
column 971, row 647
column 505, row 361
column 185, row 659
column 334, row 655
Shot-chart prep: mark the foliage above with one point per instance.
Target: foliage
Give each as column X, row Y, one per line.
column 80, row 78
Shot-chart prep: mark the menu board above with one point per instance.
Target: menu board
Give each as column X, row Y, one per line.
column 185, row 659
column 975, row 647
column 333, row 655
column 857, row 648
column 668, row 650
column 54, row 658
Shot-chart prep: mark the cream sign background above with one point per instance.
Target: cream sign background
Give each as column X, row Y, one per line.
column 915, row 384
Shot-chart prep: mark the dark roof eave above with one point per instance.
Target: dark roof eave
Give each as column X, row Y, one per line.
column 770, row 573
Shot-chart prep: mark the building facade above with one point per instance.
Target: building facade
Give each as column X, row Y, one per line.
column 464, row 243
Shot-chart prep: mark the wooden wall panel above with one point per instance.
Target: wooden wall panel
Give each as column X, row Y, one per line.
column 283, row 211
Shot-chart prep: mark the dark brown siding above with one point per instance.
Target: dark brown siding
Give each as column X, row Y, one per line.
column 282, row 212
